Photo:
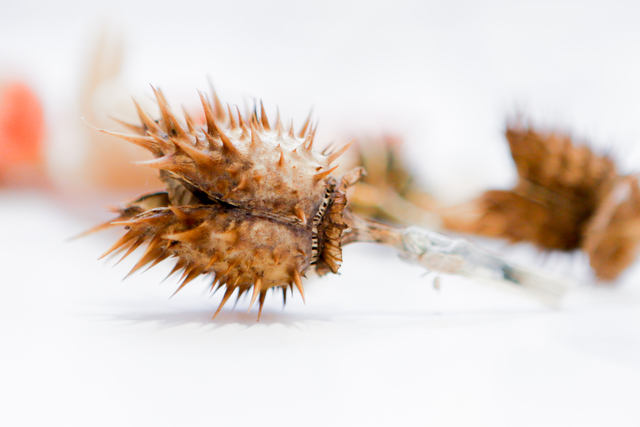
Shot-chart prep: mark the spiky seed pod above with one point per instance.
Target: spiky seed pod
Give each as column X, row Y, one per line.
column 559, row 188
column 254, row 206
column 566, row 198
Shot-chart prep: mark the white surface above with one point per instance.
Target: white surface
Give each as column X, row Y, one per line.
column 375, row 345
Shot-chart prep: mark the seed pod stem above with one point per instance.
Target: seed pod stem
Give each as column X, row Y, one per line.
column 444, row 254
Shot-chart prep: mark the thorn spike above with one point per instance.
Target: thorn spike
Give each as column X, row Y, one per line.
column 308, row 142
column 170, row 122
column 137, row 129
column 225, row 298
column 243, row 124
column 179, row 264
column 195, row 272
column 166, row 162
column 150, row 254
column 146, row 142
column 95, row 229
column 133, row 247
column 189, row 120
column 321, row 175
column 279, row 128
column 189, row 236
column 227, row 144
column 281, row 162
column 241, row 291
column 244, row 182
column 291, row 131
column 213, row 285
column 120, row 243
column 209, row 117
column 254, row 116
column 263, row 117
column 217, row 105
column 328, row 149
column 300, row 214
column 179, row 213
column 256, row 291
column 163, row 255
column 332, row 157
column 232, row 120
column 303, row 131
column 213, row 260
column 277, row 255
column 263, row 294
column 230, row 267
column 149, row 124
column 255, row 136
column 199, row 157
column 298, row 281
column 188, row 275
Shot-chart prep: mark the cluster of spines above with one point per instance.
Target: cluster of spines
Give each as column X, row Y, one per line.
column 157, row 227
column 228, row 159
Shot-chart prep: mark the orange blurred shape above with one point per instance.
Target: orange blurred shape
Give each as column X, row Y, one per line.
column 22, row 125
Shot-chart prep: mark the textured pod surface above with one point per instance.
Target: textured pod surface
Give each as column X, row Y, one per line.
column 252, row 205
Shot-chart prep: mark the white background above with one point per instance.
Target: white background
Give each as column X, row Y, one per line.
column 375, row 345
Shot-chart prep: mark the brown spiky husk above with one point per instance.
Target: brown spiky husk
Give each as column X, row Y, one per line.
column 564, row 200
column 253, row 206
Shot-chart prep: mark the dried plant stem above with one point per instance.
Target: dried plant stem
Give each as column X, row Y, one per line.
column 443, row 254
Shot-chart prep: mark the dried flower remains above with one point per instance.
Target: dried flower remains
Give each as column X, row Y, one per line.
column 566, row 198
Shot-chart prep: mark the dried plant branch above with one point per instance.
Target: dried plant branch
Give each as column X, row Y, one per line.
column 443, row 254
column 256, row 207
column 567, row 198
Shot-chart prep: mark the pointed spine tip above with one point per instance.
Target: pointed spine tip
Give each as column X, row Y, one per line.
column 263, row 295
column 321, row 175
column 147, row 142
column 279, row 128
column 303, row 131
column 199, row 157
column 212, row 127
column 179, row 213
column 255, row 136
column 291, row 130
column 256, row 291
column 281, row 161
column 171, row 124
column 225, row 298
column 263, row 117
column 299, row 213
column 298, row 282
column 148, row 123
column 232, row 120
column 166, row 163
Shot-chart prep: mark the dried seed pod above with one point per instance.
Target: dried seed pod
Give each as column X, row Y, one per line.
column 254, row 206
column 567, row 198
column 257, row 208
